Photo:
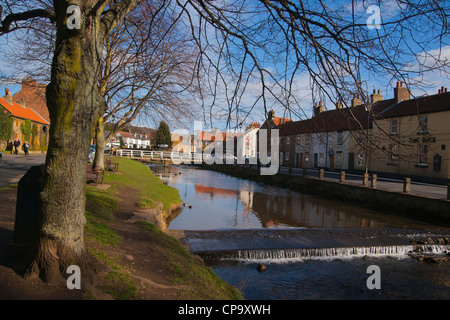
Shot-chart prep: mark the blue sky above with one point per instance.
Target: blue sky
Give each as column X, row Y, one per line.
column 304, row 96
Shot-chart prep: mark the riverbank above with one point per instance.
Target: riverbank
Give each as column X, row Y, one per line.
column 427, row 209
column 125, row 231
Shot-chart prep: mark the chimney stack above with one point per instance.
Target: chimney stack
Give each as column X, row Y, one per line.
column 8, row 95
column 376, row 96
column 271, row 114
column 442, row 90
column 318, row 108
column 401, row 93
column 356, row 101
column 339, row 104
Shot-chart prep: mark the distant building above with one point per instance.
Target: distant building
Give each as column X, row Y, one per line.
column 25, row 124
column 250, row 148
column 396, row 137
column 32, row 94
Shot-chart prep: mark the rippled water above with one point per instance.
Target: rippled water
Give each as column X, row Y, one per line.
column 321, row 279
column 214, row 201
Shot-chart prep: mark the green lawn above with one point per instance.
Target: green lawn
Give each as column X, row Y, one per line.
column 199, row 280
column 138, row 176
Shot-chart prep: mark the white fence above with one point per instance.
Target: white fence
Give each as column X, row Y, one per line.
column 162, row 155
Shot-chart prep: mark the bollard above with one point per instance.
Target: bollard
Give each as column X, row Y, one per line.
column 342, row 177
column 373, row 183
column 365, row 182
column 407, row 185
column 321, row 172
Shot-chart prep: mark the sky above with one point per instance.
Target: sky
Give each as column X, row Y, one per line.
column 301, row 85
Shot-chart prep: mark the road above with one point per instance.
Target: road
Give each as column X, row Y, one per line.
column 422, row 189
column 13, row 167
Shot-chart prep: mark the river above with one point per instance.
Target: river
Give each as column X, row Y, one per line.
column 327, row 246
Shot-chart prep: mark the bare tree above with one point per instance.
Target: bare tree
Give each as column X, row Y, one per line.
column 74, row 103
column 268, row 45
column 147, row 70
column 259, row 46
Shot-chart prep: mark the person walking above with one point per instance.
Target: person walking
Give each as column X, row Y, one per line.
column 26, row 146
column 16, row 146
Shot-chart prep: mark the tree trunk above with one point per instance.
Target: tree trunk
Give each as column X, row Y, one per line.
column 74, row 105
column 100, row 144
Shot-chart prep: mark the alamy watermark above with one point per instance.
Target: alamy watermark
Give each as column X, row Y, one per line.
column 374, row 280
column 74, row 19
column 374, row 21
column 212, row 149
column 74, row 280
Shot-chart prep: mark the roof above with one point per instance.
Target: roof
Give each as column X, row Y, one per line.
column 125, row 134
column 22, row 112
column 356, row 118
column 328, row 121
column 423, row 105
column 217, row 135
column 279, row 120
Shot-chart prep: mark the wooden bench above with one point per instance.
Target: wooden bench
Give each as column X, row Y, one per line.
column 94, row 174
column 114, row 166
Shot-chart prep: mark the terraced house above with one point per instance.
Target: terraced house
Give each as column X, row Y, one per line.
column 399, row 137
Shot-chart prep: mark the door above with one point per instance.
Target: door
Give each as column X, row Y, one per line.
column 316, row 159
column 331, row 162
column 351, row 161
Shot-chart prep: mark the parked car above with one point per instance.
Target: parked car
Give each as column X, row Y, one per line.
column 227, row 157
column 91, row 152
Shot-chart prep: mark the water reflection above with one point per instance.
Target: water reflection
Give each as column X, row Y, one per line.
column 218, row 201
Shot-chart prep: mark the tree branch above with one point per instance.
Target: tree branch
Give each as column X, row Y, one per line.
column 23, row 16
column 117, row 13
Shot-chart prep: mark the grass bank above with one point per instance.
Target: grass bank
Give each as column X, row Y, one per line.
column 141, row 261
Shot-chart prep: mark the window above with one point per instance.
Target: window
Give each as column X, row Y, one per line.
column 307, row 141
column 360, row 160
column 422, row 150
column 287, row 156
column 423, row 124
column 339, row 158
column 322, row 158
column 393, row 154
column 361, row 138
column 287, row 140
column 339, row 138
column 298, row 140
column 307, row 157
column 394, row 126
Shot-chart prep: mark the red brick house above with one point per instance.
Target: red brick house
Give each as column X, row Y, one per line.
column 32, row 94
column 26, row 124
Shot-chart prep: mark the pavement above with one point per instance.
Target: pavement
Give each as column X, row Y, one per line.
column 416, row 188
column 13, row 167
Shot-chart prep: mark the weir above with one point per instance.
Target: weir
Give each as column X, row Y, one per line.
column 313, row 253
column 294, row 244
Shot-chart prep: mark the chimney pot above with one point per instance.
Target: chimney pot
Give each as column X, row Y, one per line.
column 401, row 93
